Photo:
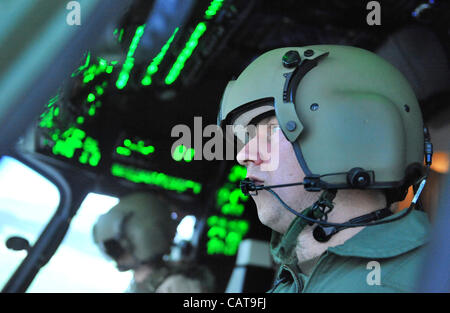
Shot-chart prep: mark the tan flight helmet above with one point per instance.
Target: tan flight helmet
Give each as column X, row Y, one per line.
column 141, row 225
column 352, row 118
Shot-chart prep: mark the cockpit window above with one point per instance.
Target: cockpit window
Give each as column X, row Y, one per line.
column 79, row 265
column 27, row 202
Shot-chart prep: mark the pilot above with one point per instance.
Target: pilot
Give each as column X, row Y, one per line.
column 342, row 128
column 137, row 233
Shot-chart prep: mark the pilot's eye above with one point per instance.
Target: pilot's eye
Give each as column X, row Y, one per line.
column 274, row 129
column 113, row 248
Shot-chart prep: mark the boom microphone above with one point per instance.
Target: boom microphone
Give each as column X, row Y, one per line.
column 248, row 185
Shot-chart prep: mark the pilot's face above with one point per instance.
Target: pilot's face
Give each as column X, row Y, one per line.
column 259, row 161
column 125, row 262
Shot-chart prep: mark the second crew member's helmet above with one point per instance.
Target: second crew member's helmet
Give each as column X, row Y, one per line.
column 140, row 225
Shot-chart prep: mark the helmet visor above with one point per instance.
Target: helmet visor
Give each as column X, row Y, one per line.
column 244, row 118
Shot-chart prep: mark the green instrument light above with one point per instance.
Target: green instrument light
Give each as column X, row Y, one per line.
column 52, row 101
column 232, row 243
column 102, row 63
column 182, row 153
column 80, row 119
column 91, row 97
column 224, row 235
column 228, row 200
column 185, row 53
column 154, row 178
column 215, row 246
column 146, row 81
column 83, row 67
column 127, row 142
column 73, row 139
column 153, row 67
column 222, row 196
column 217, row 231
column 123, row 151
column 212, row 220
column 124, row 75
column 91, row 111
column 51, row 112
column 91, row 152
column 189, row 155
column 100, row 90
column 213, row 8
column 232, row 209
column 178, row 153
column 139, row 148
column 237, row 173
column 96, row 69
column 238, row 226
column 120, row 35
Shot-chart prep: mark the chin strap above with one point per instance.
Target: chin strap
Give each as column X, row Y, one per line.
column 282, row 246
column 315, row 216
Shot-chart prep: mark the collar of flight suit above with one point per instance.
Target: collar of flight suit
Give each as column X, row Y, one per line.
column 379, row 241
column 282, row 246
column 387, row 240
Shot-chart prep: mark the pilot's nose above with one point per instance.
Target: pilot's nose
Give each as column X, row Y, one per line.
column 249, row 154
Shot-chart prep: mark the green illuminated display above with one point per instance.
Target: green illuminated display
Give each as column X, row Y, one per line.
column 73, row 139
column 52, row 101
column 93, row 108
column 237, row 173
column 138, row 147
column 120, row 35
column 213, row 8
column 228, row 196
column 182, row 153
column 153, row 67
column 116, row 31
column 100, row 90
column 83, row 67
column 91, row 153
column 96, row 69
column 154, row 178
column 49, row 114
column 123, row 151
column 127, row 66
column 69, row 142
column 232, row 207
column 225, row 235
column 185, row 53
column 47, row 118
column 91, row 97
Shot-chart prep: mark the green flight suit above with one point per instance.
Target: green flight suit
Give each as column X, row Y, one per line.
column 398, row 247
column 194, row 278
